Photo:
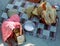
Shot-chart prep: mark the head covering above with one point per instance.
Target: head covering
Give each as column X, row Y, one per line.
column 14, row 18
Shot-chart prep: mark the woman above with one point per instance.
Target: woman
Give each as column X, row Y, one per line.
column 47, row 13
column 8, row 27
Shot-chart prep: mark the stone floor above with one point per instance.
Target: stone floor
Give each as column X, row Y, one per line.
column 37, row 41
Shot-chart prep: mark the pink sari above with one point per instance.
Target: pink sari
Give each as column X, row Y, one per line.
column 9, row 25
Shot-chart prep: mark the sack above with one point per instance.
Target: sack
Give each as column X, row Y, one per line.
column 29, row 10
column 12, row 12
column 20, row 39
column 35, row 11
